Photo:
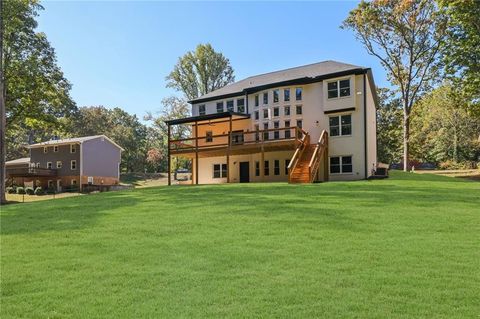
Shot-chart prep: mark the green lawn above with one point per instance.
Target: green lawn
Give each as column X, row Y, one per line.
column 404, row 247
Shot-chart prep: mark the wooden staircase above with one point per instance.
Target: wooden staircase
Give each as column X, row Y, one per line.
column 306, row 161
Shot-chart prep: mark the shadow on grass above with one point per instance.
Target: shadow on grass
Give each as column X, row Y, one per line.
column 70, row 213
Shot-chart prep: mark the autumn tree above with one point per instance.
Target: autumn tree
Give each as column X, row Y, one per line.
column 407, row 37
column 200, row 71
column 389, row 127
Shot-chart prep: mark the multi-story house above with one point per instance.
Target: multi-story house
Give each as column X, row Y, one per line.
column 90, row 160
column 310, row 123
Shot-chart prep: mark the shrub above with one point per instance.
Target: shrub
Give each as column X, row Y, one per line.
column 39, row 191
column 29, row 190
column 11, row 190
column 20, row 190
column 449, row 164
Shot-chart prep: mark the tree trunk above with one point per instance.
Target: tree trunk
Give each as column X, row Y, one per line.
column 3, row 123
column 406, row 138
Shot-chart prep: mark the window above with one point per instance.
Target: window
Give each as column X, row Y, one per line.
column 257, row 168
column 257, row 115
column 287, row 162
column 287, row 132
column 257, row 102
column 265, row 113
column 286, row 95
column 265, row 134
column 208, row 136
column 265, row 98
column 276, row 167
column 340, row 125
column 266, row 169
column 276, row 134
column 257, row 134
column 241, row 105
column 50, row 184
column 298, row 110
column 230, row 106
column 276, row 94
column 286, row 110
column 38, row 165
column 73, row 148
column 90, row 180
column 59, row 164
column 276, row 111
column 45, row 149
column 298, row 94
column 219, row 170
column 49, row 165
column 201, row 109
column 55, row 149
column 338, row 88
column 219, row 107
column 341, row 165
column 73, row 164
column 73, row 182
column 299, row 123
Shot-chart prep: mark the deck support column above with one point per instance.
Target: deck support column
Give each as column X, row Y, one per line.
column 262, row 159
column 196, row 152
column 228, row 149
column 168, row 155
column 325, row 161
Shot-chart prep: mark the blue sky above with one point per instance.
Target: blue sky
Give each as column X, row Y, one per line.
column 117, row 54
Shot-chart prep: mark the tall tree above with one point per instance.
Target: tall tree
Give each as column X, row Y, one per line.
column 407, row 37
column 200, row 72
column 389, row 127
column 3, row 123
column 462, row 52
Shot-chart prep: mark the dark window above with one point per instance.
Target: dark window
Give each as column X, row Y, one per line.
column 332, row 90
column 286, row 110
column 257, row 115
column 286, row 95
column 49, row 165
column 345, row 88
column 266, row 169
column 219, row 170
column 208, row 136
column 298, row 94
column 257, row 134
column 334, row 165
column 201, row 109
column 265, row 98
column 299, row 123
column 287, row 132
column 241, row 105
column 224, row 170
column 276, row 134
column 287, row 162
column 276, row 94
column 347, row 166
column 340, row 125
column 265, row 134
column 265, row 113
column 257, row 168
column 346, row 124
column 230, row 105
column 276, row 167
column 334, row 126
column 341, row 165
column 219, row 107
column 257, row 102
column 276, row 111
column 298, row 109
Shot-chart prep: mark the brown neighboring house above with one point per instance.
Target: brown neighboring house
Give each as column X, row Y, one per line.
column 89, row 160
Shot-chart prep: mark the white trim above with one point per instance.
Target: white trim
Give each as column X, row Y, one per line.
column 349, row 78
column 71, row 162
column 60, row 164
column 45, row 149
column 51, row 165
column 55, row 148
column 340, row 164
column 73, row 147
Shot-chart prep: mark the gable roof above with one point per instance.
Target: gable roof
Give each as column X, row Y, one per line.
column 72, row 140
column 302, row 74
column 23, row 160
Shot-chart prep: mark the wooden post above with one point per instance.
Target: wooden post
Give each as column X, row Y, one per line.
column 168, row 154
column 191, row 176
column 228, row 149
column 196, row 153
column 262, row 158
column 325, row 169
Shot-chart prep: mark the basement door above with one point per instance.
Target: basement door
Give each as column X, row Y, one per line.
column 244, row 172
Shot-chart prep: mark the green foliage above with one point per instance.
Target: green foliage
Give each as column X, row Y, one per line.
column 39, row 191
column 20, row 190
column 29, row 191
column 462, row 52
column 200, row 72
column 11, row 190
column 443, row 130
column 389, row 127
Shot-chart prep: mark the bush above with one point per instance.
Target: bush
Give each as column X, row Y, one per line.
column 20, row 190
column 11, row 190
column 39, row 191
column 29, row 190
column 449, row 164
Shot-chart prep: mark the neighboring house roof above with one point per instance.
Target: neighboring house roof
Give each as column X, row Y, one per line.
column 73, row 140
column 23, row 160
column 307, row 73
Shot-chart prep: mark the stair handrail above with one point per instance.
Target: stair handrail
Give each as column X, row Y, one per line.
column 320, row 149
column 298, row 153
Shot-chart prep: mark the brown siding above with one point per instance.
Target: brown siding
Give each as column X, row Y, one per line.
column 63, row 154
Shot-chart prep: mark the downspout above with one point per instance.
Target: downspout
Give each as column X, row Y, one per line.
column 365, row 121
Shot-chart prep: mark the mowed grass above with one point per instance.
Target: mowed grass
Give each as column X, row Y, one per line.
column 404, row 247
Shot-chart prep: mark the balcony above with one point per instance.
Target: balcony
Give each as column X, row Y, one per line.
column 31, row 172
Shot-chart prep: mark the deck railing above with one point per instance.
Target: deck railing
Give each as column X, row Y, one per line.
column 304, row 142
column 319, row 152
column 31, row 171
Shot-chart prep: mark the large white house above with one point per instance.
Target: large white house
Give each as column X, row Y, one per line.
column 310, row 123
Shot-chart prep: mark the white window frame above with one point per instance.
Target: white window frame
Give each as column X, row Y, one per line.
column 55, row 148
column 45, row 150
column 73, row 182
column 38, row 165
column 204, row 109
column 301, row 93
column 49, row 164
column 72, row 164
column 340, row 165
column 277, row 91
column 59, row 162
column 338, row 89
column 73, row 148
column 340, row 130
column 221, row 170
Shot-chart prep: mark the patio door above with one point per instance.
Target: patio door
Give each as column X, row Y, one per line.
column 244, row 172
